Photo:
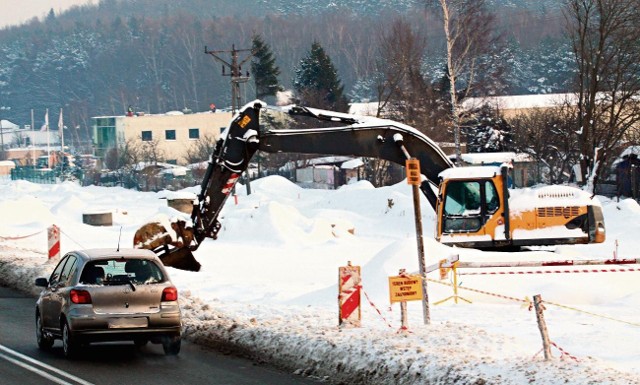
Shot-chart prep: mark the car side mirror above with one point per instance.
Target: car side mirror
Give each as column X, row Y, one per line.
column 42, row 282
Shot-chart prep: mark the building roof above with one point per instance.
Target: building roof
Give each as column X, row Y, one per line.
column 5, row 124
column 519, row 102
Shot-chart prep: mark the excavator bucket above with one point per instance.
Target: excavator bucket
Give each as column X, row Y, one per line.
column 180, row 258
column 172, row 252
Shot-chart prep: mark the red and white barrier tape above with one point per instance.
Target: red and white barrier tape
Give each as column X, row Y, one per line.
column 564, row 353
column 591, row 314
column 374, row 306
column 527, row 301
column 20, row 237
column 72, row 240
column 551, row 272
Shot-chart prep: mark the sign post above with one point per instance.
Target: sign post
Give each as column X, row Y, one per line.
column 403, row 288
column 349, row 283
column 414, row 178
column 53, row 237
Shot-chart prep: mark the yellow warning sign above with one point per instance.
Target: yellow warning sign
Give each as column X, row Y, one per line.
column 413, row 172
column 245, row 120
column 444, row 271
column 405, row 288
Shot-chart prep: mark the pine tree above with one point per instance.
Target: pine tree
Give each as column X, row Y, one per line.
column 488, row 132
column 264, row 69
column 317, row 82
column 51, row 16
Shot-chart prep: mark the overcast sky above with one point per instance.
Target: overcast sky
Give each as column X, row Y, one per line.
column 14, row 12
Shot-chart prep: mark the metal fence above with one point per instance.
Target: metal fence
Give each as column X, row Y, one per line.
column 34, row 175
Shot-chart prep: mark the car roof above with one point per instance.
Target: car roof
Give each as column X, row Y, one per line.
column 92, row 254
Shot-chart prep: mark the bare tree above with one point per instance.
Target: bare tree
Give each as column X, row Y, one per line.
column 129, row 153
column 401, row 89
column 123, row 160
column 151, row 152
column 605, row 36
column 200, row 150
column 401, row 51
column 468, row 34
column 549, row 137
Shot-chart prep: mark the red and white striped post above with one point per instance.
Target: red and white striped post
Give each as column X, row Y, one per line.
column 349, row 295
column 231, row 182
column 53, row 236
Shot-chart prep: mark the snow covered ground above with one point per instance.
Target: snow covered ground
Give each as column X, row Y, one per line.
column 268, row 286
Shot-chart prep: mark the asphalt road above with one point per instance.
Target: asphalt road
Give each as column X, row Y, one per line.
column 21, row 362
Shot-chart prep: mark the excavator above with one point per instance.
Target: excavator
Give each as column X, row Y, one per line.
column 474, row 205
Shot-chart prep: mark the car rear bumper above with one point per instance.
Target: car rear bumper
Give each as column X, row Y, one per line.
column 155, row 334
column 122, row 327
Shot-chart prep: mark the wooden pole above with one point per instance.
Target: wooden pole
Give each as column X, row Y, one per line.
column 414, row 178
column 426, row 314
column 404, row 320
column 542, row 325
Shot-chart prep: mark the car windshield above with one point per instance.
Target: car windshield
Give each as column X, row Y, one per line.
column 121, row 271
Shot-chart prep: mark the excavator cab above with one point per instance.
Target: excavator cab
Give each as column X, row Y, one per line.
column 468, row 204
column 471, row 207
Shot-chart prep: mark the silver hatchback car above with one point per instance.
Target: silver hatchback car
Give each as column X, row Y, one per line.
column 103, row 295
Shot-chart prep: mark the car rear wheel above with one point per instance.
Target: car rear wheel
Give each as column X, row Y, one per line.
column 44, row 342
column 69, row 346
column 171, row 345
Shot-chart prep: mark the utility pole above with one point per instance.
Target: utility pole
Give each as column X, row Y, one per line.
column 235, row 71
column 1, row 140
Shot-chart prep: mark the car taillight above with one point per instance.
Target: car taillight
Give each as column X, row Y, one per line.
column 80, row 296
column 169, row 294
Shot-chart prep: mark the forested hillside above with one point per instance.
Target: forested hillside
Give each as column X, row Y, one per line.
column 96, row 60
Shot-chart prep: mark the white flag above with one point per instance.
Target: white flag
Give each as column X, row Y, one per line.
column 45, row 126
column 61, row 131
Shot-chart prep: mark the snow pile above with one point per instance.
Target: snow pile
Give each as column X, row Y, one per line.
column 268, row 286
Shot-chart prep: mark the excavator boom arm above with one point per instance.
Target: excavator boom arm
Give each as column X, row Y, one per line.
column 271, row 129
column 353, row 135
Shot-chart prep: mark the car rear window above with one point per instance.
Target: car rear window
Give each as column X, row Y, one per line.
column 121, row 271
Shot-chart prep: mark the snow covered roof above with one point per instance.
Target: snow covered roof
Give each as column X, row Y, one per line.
column 5, row 124
column 182, row 194
column 518, row 102
column 470, row 172
column 351, row 164
column 168, row 168
column 486, row 158
column 175, row 171
column 507, row 102
column 323, row 160
column 364, row 109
